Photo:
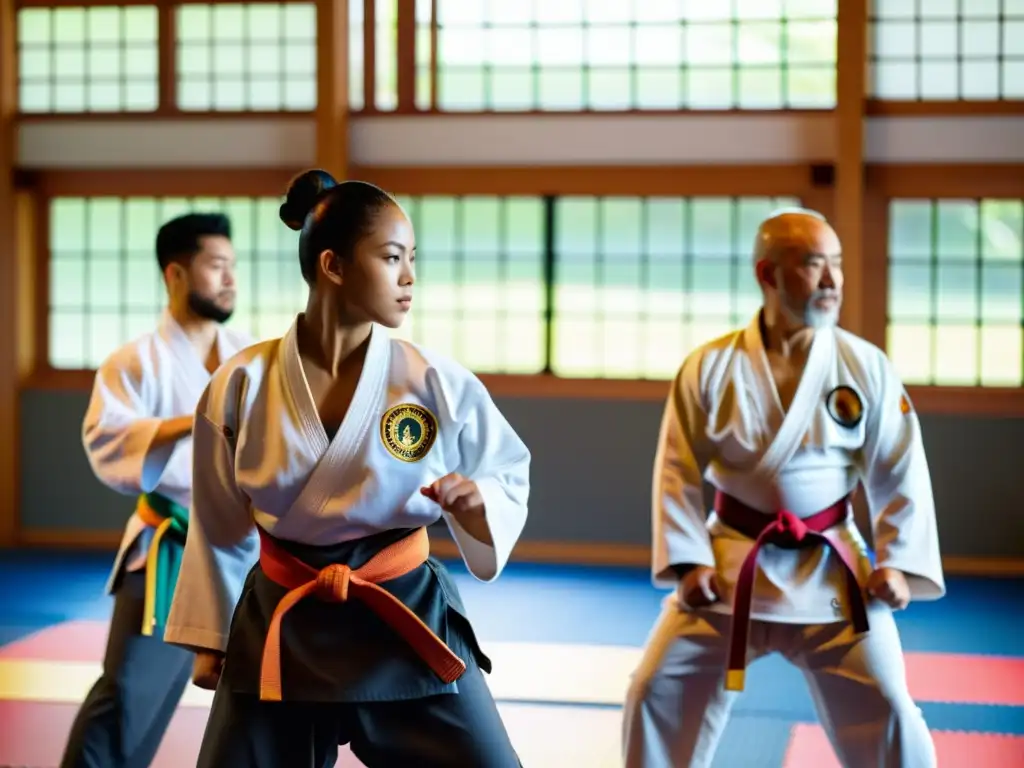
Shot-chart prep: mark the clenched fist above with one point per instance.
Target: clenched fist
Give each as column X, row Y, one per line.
column 206, row 669
column 457, row 495
column 890, row 586
column 460, row 497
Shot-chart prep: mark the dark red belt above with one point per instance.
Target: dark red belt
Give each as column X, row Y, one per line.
column 786, row 530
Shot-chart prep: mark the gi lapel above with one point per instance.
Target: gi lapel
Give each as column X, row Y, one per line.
column 797, row 419
column 335, row 465
column 190, row 372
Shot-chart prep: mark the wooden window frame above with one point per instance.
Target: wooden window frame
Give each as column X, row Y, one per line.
column 734, row 181
column 886, row 182
column 882, row 183
column 406, row 78
column 167, row 74
column 922, row 107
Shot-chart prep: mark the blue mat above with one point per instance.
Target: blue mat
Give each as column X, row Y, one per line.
column 538, row 603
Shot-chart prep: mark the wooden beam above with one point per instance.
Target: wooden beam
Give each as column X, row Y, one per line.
column 406, row 56
column 9, row 312
column 851, row 55
column 332, row 87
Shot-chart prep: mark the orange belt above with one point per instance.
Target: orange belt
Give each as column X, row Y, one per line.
column 160, row 525
column 148, row 515
column 336, row 583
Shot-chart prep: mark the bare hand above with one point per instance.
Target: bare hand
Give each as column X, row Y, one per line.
column 890, row 586
column 457, row 495
column 206, row 669
column 699, row 588
column 461, row 498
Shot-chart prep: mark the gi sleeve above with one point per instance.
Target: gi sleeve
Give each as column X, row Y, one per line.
column 222, row 543
column 898, row 489
column 119, row 429
column 679, row 518
column 496, row 459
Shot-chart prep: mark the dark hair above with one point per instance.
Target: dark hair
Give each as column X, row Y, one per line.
column 330, row 216
column 178, row 239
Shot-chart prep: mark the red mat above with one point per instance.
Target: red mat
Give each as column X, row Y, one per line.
column 42, row 730
column 942, row 677
column 809, row 748
column 963, row 679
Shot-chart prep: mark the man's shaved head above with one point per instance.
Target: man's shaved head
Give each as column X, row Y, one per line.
column 783, row 227
column 798, row 263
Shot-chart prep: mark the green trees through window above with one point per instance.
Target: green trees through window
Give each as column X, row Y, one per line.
column 946, row 49
column 95, row 59
column 246, row 57
column 956, row 291
column 613, row 55
column 636, row 282
column 106, row 288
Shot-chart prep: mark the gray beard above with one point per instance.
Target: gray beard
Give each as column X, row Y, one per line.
column 811, row 316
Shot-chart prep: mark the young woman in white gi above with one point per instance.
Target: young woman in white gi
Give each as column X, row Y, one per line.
column 325, row 454
column 136, row 434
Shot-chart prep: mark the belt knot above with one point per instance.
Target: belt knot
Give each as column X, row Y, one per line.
column 332, row 583
column 788, row 529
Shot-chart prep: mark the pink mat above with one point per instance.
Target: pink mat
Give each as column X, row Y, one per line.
column 68, row 641
column 951, row 678
column 809, row 748
column 966, row 679
column 42, row 730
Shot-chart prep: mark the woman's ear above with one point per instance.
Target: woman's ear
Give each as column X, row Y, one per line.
column 331, row 266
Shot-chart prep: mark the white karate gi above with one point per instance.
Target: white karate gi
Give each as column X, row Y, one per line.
column 297, row 484
column 157, row 376
column 724, row 422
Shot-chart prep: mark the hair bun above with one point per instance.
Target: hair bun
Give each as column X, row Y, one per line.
column 304, row 192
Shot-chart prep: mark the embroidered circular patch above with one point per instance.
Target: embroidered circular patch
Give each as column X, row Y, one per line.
column 845, row 407
column 408, row 431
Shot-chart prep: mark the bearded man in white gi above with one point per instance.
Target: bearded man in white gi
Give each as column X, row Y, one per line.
column 137, row 434
column 785, row 418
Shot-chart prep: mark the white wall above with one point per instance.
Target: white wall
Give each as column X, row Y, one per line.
column 514, row 140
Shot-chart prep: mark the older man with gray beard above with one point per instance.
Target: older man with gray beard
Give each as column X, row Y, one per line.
column 785, row 418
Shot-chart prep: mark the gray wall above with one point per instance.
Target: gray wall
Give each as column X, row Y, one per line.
column 591, row 472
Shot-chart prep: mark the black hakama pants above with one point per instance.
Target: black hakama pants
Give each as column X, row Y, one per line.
column 348, row 678
column 126, row 713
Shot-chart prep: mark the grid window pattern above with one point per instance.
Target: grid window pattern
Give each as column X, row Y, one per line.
column 356, row 56
column 385, row 40
column 956, row 291
column 424, row 72
column 480, row 291
column 106, row 287
column 616, row 55
column 588, row 287
column 385, row 64
column 95, row 59
column 640, row 282
column 242, row 57
column 926, row 50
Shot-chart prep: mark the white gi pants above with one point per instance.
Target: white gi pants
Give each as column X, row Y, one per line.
column 677, row 706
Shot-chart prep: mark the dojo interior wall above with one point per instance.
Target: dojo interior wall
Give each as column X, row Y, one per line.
column 593, row 441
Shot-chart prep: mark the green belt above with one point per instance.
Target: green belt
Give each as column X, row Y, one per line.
column 163, row 560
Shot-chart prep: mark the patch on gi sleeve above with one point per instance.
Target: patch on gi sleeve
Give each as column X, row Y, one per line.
column 905, row 407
